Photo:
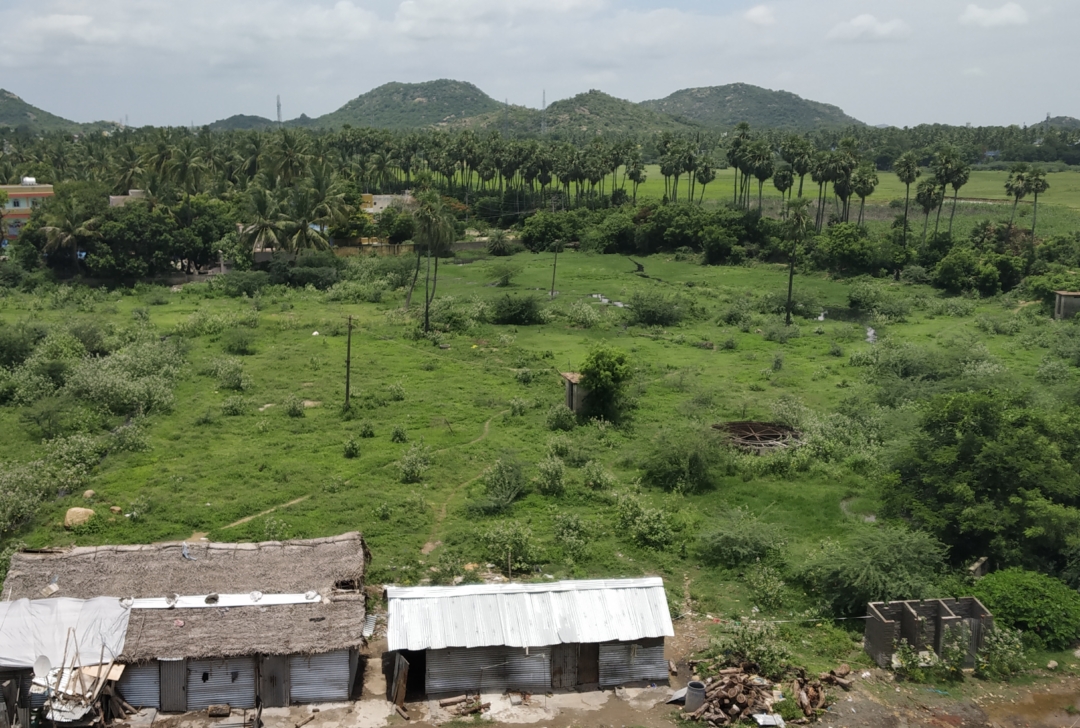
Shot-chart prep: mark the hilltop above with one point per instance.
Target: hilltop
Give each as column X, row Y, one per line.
column 1062, row 122
column 725, row 106
column 15, row 113
column 242, row 122
column 409, row 106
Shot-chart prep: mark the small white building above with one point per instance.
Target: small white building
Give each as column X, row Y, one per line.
column 531, row 637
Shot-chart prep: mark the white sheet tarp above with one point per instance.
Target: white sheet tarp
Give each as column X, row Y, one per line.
column 32, row 628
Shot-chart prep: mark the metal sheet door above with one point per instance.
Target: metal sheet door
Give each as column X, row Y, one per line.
column 564, row 666
column 320, row 678
column 141, row 685
column 589, row 664
column 173, row 681
column 213, row 682
column 274, row 681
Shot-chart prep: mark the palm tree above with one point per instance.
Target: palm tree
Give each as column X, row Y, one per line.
column 129, row 169
column 798, row 220
column 783, row 180
column 864, row 182
column 704, row 175
column 907, row 169
column 301, row 228
column 799, row 153
column 929, row 196
column 1017, row 185
column 435, row 232
column 946, row 166
column 760, row 162
column 960, row 177
column 1037, row 184
column 66, row 224
column 185, row 166
column 637, row 175
column 265, row 229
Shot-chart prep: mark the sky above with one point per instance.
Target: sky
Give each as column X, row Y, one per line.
column 900, row 62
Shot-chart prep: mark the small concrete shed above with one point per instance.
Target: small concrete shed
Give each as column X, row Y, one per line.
column 575, row 393
column 1066, row 304
column 532, row 637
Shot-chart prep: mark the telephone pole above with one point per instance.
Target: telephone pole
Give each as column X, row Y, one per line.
column 348, row 365
column 279, row 110
column 543, row 114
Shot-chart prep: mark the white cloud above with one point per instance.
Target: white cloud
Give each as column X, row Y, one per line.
column 1007, row 14
column 868, row 27
column 760, row 15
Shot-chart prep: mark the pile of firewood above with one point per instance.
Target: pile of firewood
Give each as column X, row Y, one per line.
column 736, row 693
column 464, row 705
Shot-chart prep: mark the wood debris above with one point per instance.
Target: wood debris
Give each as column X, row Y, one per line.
column 736, row 693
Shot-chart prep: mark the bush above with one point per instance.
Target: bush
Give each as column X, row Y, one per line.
column 551, row 478
column 875, row 565
column 233, row 406
column 603, row 374
column 572, row 535
column 739, row 537
column 396, row 392
column 596, row 477
column 367, row 430
column 766, row 585
column 560, row 417
column 681, row 462
column 655, row 309
column 780, row 333
column 583, row 315
column 239, row 341
column 503, row 272
column 293, row 406
column 516, row 310
column 1034, row 603
column 1002, row 654
column 352, row 449
column 648, row 527
column 524, row 376
column 414, row 463
column 229, row 373
column 511, row 546
column 238, row 284
column 399, row 435
column 758, row 643
column 498, row 243
column 504, row 483
column 357, row 292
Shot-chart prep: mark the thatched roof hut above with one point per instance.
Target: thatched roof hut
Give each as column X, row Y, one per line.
column 334, row 567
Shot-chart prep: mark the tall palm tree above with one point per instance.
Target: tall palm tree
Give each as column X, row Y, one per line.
column 783, row 180
column 301, row 228
column 1017, row 186
column 798, row 221
column 799, row 153
column 864, row 182
column 760, row 162
column 184, row 166
column 703, row 176
column 929, row 196
column 67, row 223
column 960, row 177
column 1037, row 184
column 907, row 169
column 265, row 227
column 435, row 232
column 129, row 169
column 946, row 166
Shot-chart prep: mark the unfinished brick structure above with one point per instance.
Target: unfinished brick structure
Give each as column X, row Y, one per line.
column 922, row 624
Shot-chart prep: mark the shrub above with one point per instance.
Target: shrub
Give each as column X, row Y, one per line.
column 504, row 483
column 560, row 417
column 229, row 373
column 519, row 407
column 583, row 315
column 511, row 545
column 237, row 284
column 596, row 477
column 136, row 379
column 681, row 462
column 1032, row 602
column 352, row 449
column 233, row 406
column 396, row 392
column 516, row 310
column 572, row 535
column 239, row 341
column 603, row 374
column 1002, row 654
column 648, row 527
column 357, row 292
column 414, row 463
column 655, row 309
column 130, row 437
column 293, row 406
column 739, row 537
column 551, row 477
column 835, row 349
column 503, row 272
column 367, row 430
column 498, row 243
column 1052, row 371
column 754, row 642
column 524, row 376
column 398, row 434
column 766, row 585
column 875, row 565
column 780, row 333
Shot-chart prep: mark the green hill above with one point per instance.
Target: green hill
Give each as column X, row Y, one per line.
column 242, row 122
column 1063, row 122
column 409, row 106
column 14, row 113
column 725, row 106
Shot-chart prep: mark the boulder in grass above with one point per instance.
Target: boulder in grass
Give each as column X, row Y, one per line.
column 77, row 517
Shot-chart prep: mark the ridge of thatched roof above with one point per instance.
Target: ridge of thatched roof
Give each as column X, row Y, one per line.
column 156, row 570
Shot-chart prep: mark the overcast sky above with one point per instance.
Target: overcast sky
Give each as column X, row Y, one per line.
column 900, row 62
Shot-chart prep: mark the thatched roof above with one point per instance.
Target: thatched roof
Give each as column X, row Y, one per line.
column 274, row 567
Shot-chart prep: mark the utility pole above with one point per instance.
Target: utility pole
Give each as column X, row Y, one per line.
column 543, row 114
column 348, row 364
column 279, row 110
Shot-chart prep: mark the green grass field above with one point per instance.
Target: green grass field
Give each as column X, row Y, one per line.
column 264, row 475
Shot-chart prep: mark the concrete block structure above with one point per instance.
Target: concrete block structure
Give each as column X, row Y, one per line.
column 923, row 624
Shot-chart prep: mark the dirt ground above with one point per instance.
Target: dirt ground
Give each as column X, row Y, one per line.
column 875, row 701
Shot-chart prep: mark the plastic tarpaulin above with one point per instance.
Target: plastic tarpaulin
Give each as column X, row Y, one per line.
column 32, row 628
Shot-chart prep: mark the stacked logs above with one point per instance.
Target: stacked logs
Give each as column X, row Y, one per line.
column 736, row 693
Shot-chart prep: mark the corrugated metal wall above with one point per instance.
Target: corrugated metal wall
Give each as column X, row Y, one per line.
column 141, row 685
column 491, row 669
column 173, row 678
column 624, row 662
column 213, row 682
column 320, row 678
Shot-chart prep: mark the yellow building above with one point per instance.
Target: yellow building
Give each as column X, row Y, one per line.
column 21, row 201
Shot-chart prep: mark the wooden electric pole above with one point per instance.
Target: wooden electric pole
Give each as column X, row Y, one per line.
column 348, row 364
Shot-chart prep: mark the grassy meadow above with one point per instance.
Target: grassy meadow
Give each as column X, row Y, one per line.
column 215, row 475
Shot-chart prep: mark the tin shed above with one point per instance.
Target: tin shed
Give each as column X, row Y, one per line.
column 276, row 622
column 532, row 637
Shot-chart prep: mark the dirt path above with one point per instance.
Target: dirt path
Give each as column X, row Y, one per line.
column 199, row 534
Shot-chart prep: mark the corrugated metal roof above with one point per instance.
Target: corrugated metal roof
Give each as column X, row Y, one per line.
column 527, row 615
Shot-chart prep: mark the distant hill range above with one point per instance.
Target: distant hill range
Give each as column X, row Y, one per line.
column 726, row 106
column 456, row 104
column 17, row 114
column 1062, row 122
